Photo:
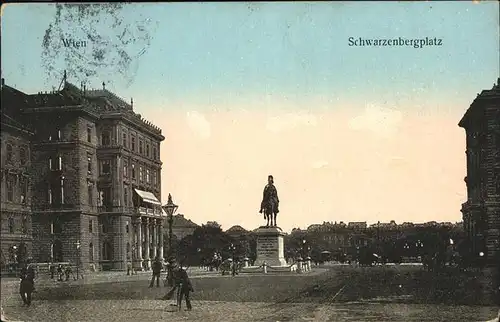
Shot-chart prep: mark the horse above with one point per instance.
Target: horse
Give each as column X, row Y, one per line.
column 269, row 209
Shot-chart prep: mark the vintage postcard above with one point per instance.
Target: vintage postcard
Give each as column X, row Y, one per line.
column 250, row 161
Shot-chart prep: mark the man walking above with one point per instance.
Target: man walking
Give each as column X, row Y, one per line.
column 157, row 267
column 27, row 285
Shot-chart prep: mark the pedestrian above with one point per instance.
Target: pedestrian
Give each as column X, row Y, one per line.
column 27, row 284
column 60, row 273
column 52, row 269
column 157, row 267
column 130, row 270
column 175, row 287
column 185, row 287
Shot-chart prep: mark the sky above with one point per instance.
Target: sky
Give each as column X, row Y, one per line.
column 244, row 90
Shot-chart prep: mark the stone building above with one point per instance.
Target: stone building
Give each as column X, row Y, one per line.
column 481, row 211
column 96, row 180
column 15, row 210
column 182, row 227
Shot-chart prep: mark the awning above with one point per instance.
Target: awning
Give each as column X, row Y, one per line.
column 148, row 197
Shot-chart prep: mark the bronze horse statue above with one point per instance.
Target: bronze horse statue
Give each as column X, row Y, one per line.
column 270, row 203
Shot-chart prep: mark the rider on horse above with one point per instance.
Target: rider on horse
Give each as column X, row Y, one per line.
column 270, row 202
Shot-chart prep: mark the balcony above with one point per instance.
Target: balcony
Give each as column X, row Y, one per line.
column 55, row 208
column 144, row 211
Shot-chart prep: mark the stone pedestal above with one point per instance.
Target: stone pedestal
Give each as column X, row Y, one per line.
column 270, row 246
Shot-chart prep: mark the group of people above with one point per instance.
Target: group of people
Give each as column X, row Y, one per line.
column 180, row 283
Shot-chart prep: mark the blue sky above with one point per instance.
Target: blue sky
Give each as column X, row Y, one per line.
column 224, row 51
column 245, row 90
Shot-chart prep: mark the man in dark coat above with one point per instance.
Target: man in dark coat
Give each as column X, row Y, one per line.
column 157, row 267
column 27, row 285
column 185, row 287
column 175, row 287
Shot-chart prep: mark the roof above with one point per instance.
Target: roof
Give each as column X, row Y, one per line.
column 11, row 109
column 236, row 228
column 475, row 112
column 148, row 197
column 181, row 221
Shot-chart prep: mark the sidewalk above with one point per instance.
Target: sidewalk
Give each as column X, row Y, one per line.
column 9, row 285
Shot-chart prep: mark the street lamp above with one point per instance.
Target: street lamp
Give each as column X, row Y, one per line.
column 170, row 209
column 232, row 248
column 77, row 259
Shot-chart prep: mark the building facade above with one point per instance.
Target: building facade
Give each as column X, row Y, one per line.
column 181, row 227
column 96, row 181
column 15, row 211
column 481, row 211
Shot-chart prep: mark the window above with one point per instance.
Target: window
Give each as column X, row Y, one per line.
column 153, row 175
column 133, row 171
column 62, row 190
column 90, row 192
column 154, row 152
column 106, row 138
column 55, row 134
column 91, row 252
column 25, row 225
column 91, row 227
column 106, row 167
column 24, row 190
column 89, row 163
column 125, row 195
column 132, row 143
column 125, row 169
column 22, row 156
column 147, row 175
column 9, row 153
column 59, row 163
column 126, row 227
column 140, row 147
column 50, row 163
column 107, row 250
column 49, row 195
column 140, row 174
column 124, row 140
column 10, row 189
column 147, row 150
column 89, row 134
column 11, row 225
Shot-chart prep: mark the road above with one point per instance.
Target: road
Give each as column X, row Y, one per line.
column 240, row 298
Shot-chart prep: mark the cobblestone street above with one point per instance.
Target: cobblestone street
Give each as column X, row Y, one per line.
column 157, row 310
column 118, row 297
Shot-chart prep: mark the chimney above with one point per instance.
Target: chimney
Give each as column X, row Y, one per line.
column 3, row 81
column 103, row 86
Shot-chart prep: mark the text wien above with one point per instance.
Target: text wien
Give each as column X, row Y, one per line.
column 74, row 43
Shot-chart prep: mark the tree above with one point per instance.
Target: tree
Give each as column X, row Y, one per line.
column 203, row 244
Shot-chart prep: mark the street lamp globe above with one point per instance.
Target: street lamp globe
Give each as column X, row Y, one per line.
column 170, row 207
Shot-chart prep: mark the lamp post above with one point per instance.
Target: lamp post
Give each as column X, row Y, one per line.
column 77, row 259
column 232, row 248
column 170, row 209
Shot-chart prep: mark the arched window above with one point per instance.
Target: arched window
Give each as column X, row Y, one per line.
column 57, row 251
column 91, row 252
column 107, row 250
column 22, row 156
column 11, row 225
column 9, row 153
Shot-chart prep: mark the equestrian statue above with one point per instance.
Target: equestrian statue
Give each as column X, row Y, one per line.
column 270, row 202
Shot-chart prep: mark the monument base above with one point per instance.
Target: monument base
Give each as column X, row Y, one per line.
column 270, row 247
